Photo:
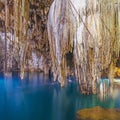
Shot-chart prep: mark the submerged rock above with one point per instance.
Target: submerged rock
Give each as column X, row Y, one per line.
column 98, row 113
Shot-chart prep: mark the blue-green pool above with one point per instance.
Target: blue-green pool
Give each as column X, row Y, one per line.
column 37, row 98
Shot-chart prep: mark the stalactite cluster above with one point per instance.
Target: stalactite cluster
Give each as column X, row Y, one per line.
column 89, row 30
column 27, row 46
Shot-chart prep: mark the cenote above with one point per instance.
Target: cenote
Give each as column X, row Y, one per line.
column 52, row 42
column 38, row 98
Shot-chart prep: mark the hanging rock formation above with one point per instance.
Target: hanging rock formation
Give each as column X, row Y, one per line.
column 26, row 32
column 89, row 30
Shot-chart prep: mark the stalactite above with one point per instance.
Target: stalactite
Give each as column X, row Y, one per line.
column 6, row 24
column 25, row 15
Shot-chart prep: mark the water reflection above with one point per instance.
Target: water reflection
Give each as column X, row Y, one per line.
column 104, row 89
column 36, row 98
column 107, row 90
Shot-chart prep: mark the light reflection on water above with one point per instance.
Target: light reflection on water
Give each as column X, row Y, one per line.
column 37, row 98
column 107, row 91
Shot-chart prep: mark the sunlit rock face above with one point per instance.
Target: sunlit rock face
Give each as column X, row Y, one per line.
column 86, row 29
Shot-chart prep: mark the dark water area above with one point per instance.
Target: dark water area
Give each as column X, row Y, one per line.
column 38, row 98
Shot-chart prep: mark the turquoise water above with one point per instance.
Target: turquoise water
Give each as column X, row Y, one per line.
column 37, row 98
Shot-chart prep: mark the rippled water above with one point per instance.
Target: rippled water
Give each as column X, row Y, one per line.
column 38, row 98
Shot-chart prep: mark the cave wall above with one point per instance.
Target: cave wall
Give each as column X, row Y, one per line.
column 26, row 33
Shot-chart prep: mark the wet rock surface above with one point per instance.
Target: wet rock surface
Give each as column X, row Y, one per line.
column 98, row 113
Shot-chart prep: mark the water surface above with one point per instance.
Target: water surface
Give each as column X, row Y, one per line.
column 38, row 98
